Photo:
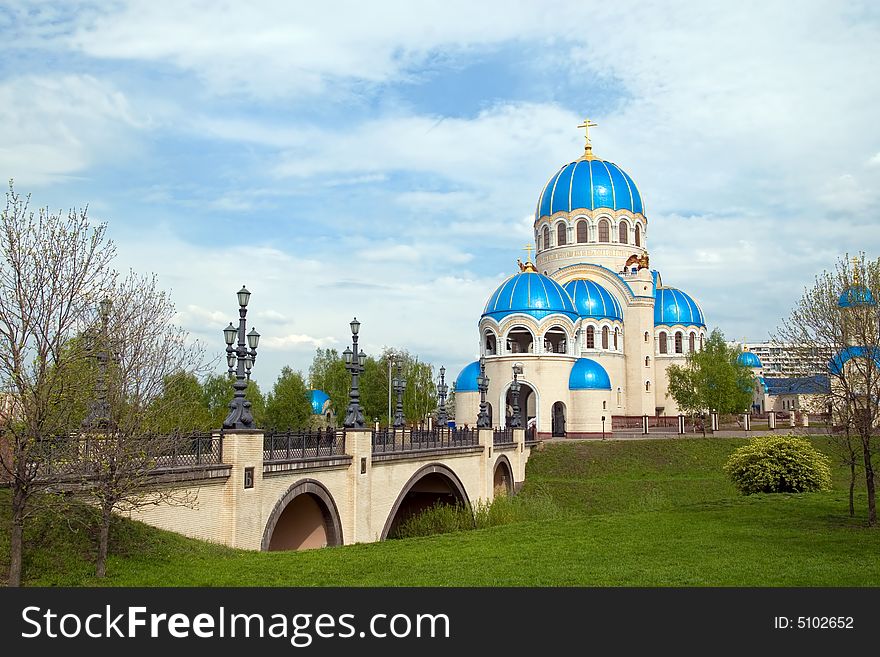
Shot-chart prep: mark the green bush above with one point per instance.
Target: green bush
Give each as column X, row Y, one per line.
column 778, row 464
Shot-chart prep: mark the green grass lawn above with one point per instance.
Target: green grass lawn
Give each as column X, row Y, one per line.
column 639, row 513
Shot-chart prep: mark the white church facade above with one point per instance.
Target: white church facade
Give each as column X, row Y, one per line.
column 588, row 327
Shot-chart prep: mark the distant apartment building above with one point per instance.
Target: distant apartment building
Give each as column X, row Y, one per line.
column 789, row 360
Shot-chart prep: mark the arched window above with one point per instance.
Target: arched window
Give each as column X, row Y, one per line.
column 604, row 337
column 619, row 397
column 538, row 242
column 638, row 235
column 623, row 233
column 604, row 405
column 603, row 231
column 647, row 386
column 560, row 235
column 647, row 361
column 591, row 337
column 662, row 339
column 701, row 342
column 546, row 237
column 692, row 340
column 678, row 343
column 647, row 337
column 616, row 332
column 582, row 232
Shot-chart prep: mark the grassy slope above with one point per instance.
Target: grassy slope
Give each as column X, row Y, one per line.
column 642, row 513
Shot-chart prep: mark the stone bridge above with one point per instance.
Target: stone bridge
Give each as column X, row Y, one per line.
column 296, row 491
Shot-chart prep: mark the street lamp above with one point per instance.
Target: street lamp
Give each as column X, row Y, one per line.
column 483, row 421
column 516, row 420
column 603, row 427
column 99, row 412
column 354, row 363
column 390, row 365
column 399, row 387
column 242, row 356
column 442, row 389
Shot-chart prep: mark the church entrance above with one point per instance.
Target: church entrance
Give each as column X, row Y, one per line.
column 558, row 420
column 526, row 405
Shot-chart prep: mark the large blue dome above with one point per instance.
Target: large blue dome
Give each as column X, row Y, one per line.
column 592, row 300
column 835, row 365
column 857, row 295
column 589, row 184
column 530, row 293
column 587, row 374
column 672, row 306
column 318, row 399
column 749, row 359
column 467, row 378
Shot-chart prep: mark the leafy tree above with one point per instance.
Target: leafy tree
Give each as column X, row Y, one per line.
column 327, row 372
column 840, row 311
column 180, row 407
column 52, row 268
column 289, row 403
column 711, row 379
column 217, row 393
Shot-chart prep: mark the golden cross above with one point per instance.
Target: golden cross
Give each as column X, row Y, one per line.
column 855, row 264
column 586, row 125
column 528, row 248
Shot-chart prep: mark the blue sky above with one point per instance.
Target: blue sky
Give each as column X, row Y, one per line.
column 384, row 159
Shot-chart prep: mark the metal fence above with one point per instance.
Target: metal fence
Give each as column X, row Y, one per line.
column 502, row 436
column 623, row 422
column 302, row 445
column 406, row 440
column 532, row 434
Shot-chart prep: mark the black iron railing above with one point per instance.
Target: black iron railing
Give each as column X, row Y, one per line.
column 502, row 436
column 406, row 440
column 192, row 450
column 302, row 445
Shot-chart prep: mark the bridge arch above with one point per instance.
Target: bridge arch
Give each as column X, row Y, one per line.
column 305, row 516
column 428, row 485
column 502, row 477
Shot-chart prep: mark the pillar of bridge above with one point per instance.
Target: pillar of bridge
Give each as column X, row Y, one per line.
column 357, row 526
column 242, row 518
column 487, row 471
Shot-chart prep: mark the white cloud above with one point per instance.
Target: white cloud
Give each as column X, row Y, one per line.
column 55, row 127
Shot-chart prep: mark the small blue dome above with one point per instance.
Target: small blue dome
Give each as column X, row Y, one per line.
column 749, row 359
column 530, row 293
column 319, row 398
column 672, row 306
column 587, row 374
column 857, row 295
column 835, row 365
column 592, row 300
column 467, row 378
column 589, row 184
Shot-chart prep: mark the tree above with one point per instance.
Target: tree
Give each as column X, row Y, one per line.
column 711, row 379
column 327, row 372
column 217, row 393
column 53, row 268
column 840, row 311
column 289, row 404
column 147, row 398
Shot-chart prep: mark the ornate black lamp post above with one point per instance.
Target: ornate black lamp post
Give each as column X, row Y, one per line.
column 242, row 357
column 354, row 363
column 483, row 421
column 442, row 389
column 399, row 384
column 99, row 412
column 516, row 420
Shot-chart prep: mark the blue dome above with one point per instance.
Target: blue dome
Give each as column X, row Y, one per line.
column 319, row 398
column 587, row 374
column 467, row 378
column 593, row 300
column 857, row 295
column 835, row 365
column 749, row 359
column 672, row 306
column 530, row 293
column 589, row 184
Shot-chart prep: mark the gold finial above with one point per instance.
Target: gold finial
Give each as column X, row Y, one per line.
column 588, row 147
column 527, row 266
column 528, row 248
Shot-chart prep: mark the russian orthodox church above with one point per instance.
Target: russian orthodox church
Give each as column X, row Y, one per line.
column 588, row 327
